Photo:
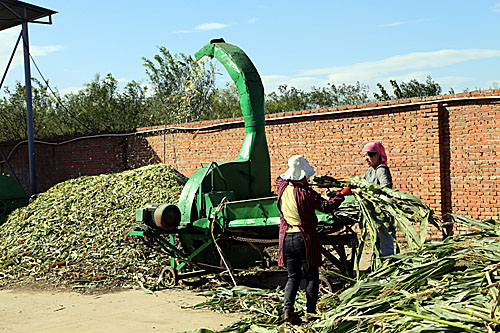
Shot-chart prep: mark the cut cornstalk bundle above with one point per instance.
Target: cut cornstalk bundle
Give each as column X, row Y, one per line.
column 383, row 207
column 443, row 286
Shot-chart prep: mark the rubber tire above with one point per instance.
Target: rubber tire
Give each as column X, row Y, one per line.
column 168, row 277
column 325, row 286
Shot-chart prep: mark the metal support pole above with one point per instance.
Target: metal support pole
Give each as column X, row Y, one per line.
column 29, row 108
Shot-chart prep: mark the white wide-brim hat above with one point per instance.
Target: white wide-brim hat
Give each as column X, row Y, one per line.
column 299, row 168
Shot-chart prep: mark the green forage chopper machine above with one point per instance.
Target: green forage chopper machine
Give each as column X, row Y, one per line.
column 227, row 215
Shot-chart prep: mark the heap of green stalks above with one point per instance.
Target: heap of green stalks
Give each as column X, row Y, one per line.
column 446, row 286
column 381, row 206
column 76, row 234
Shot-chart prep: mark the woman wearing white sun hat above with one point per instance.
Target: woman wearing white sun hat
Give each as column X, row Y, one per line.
column 299, row 242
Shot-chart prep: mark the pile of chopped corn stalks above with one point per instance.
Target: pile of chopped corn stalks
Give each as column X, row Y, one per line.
column 75, row 235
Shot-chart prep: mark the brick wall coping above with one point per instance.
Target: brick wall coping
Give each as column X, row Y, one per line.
column 340, row 110
column 378, row 107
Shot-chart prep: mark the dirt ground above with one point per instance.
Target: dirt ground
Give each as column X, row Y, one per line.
column 31, row 310
column 125, row 311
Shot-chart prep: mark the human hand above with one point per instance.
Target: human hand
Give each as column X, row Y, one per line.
column 330, row 193
column 346, row 191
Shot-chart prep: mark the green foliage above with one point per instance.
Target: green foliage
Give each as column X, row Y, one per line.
column 101, row 107
column 13, row 113
column 288, row 99
column 182, row 88
column 413, row 88
column 181, row 91
column 96, row 108
column 225, row 103
column 446, row 286
column 293, row 99
column 344, row 94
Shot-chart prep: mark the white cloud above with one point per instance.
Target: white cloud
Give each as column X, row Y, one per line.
column 37, row 51
column 453, row 80
column 395, row 24
column 418, row 75
column 8, row 40
column 70, row 90
column 496, row 8
column 366, row 71
column 401, row 68
column 211, row 26
column 392, row 24
column 272, row 82
column 204, row 27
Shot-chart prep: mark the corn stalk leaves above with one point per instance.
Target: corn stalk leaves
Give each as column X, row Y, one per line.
column 381, row 206
column 445, row 286
column 75, row 234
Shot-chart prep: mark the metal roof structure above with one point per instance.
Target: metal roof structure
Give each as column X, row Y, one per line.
column 14, row 13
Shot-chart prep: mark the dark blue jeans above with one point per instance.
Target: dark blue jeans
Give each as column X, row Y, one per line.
column 294, row 252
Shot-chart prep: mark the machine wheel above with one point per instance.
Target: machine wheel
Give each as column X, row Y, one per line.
column 325, row 285
column 168, row 277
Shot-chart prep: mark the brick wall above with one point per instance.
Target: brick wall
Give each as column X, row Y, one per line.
column 74, row 157
column 442, row 149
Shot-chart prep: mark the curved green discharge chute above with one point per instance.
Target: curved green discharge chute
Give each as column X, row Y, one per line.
column 251, row 93
column 253, row 152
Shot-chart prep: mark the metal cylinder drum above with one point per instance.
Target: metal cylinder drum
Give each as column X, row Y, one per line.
column 167, row 216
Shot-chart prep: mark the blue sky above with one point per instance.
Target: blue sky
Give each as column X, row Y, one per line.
column 298, row 43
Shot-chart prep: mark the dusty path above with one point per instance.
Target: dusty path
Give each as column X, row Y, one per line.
column 126, row 311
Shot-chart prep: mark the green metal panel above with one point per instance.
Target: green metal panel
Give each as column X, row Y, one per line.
column 262, row 209
column 12, row 196
column 10, row 189
column 136, row 233
column 249, row 175
column 255, row 222
column 187, row 200
column 203, row 223
column 251, row 93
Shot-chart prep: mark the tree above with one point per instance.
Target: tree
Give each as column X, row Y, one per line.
column 411, row 89
column 293, row 99
column 344, row 94
column 288, row 99
column 181, row 87
column 101, row 107
column 225, row 102
column 13, row 115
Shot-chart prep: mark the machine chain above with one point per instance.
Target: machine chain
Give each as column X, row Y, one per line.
column 254, row 240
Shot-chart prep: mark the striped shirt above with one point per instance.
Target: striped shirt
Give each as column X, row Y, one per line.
column 308, row 201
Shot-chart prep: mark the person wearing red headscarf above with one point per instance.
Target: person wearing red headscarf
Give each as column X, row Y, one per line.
column 379, row 173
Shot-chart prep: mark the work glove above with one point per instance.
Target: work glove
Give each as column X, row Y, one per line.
column 346, row 191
